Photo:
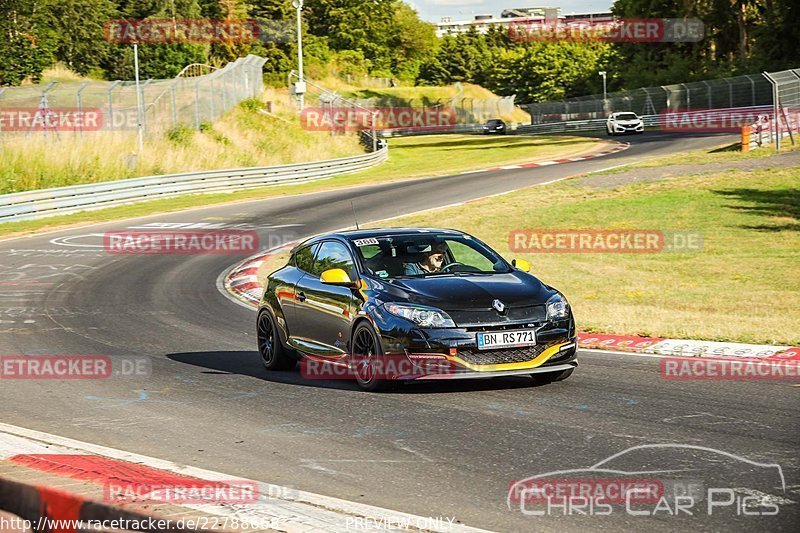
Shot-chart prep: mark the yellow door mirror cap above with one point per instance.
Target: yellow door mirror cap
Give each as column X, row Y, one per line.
column 336, row 276
column 521, row 264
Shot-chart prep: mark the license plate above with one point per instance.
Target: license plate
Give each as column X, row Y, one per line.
column 506, row 339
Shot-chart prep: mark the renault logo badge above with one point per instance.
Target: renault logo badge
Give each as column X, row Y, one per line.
column 500, row 306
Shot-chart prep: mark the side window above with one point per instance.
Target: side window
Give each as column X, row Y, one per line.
column 304, row 258
column 469, row 256
column 334, row 254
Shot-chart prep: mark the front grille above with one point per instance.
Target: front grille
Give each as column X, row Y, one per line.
column 474, row 356
column 473, row 317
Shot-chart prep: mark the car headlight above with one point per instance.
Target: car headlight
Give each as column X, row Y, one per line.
column 557, row 307
column 426, row 317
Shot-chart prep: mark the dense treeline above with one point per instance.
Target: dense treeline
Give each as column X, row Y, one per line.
column 386, row 38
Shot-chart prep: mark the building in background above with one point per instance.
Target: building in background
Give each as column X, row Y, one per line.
column 448, row 26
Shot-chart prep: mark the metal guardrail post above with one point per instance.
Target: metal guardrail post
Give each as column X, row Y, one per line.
column 197, row 104
column 776, row 115
column 174, row 106
column 111, row 102
column 80, row 108
column 2, row 90
column 144, row 111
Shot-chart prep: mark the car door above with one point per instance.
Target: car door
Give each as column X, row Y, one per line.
column 324, row 312
column 286, row 293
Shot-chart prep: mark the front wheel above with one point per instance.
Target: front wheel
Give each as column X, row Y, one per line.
column 273, row 355
column 366, row 359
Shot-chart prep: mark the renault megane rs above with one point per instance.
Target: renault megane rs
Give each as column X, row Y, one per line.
column 389, row 305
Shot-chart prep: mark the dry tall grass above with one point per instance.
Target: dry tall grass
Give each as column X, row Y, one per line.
column 245, row 137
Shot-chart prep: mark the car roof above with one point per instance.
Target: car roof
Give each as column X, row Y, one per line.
column 378, row 232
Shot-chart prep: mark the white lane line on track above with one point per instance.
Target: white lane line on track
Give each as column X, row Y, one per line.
column 282, row 508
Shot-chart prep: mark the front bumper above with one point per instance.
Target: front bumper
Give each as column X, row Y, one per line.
column 638, row 128
column 437, row 354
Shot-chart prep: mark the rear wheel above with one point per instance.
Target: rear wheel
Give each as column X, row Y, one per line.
column 551, row 377
column 273, row 355
column 366, row 357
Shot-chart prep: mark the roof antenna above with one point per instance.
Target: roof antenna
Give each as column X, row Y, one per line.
column 353, row 207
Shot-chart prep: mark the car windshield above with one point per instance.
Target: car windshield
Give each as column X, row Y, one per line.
column 417, row 256
column 627, row 116
column 495, row 122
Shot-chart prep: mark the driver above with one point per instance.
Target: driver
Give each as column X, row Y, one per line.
column 432, row 262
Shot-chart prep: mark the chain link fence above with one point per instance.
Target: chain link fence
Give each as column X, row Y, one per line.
column 461, row 114
column 767, row 104
column 740, row 91
column 785, row 87
column 199, row 94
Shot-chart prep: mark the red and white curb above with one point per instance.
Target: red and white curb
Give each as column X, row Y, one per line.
column 661, row 347
column 240, row 283
column 279, row 508
column 618, row 148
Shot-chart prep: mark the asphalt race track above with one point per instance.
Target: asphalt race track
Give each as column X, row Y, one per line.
column 431, row 450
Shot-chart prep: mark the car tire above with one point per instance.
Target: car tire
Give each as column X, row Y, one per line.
column 274, row 356
column 552, row 377
column 365, row 340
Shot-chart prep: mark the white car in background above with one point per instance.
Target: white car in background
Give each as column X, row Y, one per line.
column 625, row 122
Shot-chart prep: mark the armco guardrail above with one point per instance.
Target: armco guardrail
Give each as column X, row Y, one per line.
column 66, row 200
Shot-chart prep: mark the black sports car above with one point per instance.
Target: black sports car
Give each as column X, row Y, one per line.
column 387, row 305
column 494, row 125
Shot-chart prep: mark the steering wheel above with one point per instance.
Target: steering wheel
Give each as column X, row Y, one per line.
column 449, row 265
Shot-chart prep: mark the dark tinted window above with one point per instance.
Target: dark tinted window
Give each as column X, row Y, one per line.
column 304, row 258
column 334, row 254
column 627, row 116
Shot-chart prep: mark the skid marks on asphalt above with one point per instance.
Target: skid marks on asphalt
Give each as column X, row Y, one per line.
column 710, row 419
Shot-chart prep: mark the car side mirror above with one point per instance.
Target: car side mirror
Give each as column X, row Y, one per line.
column 521, row 264
column 337, row 277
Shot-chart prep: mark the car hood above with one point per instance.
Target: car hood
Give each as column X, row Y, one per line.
column 470, row 292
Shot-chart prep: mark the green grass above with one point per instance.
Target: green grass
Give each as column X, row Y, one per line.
column 440, row 155
column 720, row 154
column 743, row 286
column 410, row 157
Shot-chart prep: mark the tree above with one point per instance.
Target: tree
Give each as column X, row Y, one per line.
column 26, row 42
column 79, row 25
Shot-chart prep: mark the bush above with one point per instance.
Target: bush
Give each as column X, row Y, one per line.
column 181, row 135
column 252, row 104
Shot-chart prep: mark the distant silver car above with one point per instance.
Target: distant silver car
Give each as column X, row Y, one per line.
column 625, row 122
